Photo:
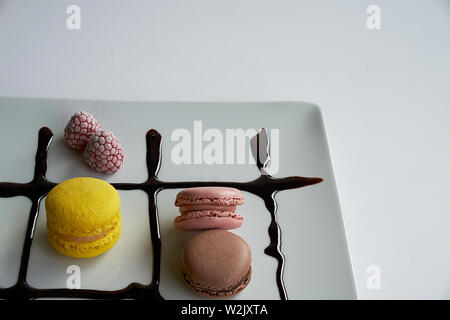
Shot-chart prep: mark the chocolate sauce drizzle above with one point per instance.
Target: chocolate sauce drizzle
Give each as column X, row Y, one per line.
column 265, row 187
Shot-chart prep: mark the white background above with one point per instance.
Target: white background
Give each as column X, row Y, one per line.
column 385, row 97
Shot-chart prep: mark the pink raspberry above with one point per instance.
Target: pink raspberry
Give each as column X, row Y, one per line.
column 79, row 130
column 104, row 152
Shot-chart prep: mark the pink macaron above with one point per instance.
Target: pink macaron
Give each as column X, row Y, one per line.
column 208, row 208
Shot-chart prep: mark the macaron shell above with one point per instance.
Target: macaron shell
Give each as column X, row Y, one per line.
column 82, row 206
column 208, row 219
column 216, row 260
column 210, row 195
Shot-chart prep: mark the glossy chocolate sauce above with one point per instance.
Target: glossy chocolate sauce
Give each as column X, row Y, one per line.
column 265, row 187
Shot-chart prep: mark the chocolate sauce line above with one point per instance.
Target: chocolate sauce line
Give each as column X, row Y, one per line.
column 265, row 187
column 39, row 187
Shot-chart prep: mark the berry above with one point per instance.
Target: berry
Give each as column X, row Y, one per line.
column 79, row 130
column 104, row 152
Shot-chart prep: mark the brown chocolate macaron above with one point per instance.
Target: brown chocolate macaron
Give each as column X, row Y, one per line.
column 216, row 263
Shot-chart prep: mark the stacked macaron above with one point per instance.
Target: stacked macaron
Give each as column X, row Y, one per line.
column 83, row 217
column 208, row 208
column 215, row 263
column 101, row 149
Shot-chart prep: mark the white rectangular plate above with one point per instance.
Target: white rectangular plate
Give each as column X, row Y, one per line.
column 313, row 241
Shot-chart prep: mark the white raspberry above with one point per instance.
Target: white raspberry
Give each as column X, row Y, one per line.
column 104, row 152
column 79, row 130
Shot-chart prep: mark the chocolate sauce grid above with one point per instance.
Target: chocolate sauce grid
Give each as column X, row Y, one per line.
column 265, row 187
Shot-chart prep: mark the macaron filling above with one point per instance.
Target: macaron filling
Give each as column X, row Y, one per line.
column 218, row 292
column 199, row 207
column 209, row 214
column 78, row 239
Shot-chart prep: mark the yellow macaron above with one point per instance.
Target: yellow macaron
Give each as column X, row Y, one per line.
column 83, row 217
